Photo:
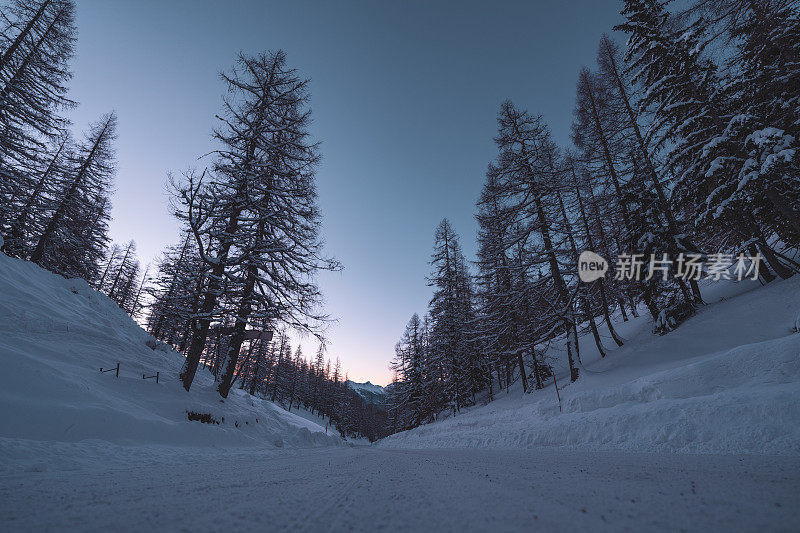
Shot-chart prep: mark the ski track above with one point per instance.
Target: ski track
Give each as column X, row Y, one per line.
column 374, row 489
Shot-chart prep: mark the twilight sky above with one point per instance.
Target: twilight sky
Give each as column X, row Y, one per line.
column 404, row 99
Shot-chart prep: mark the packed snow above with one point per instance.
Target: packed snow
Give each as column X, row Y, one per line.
column 725, row 382
column 380, row 489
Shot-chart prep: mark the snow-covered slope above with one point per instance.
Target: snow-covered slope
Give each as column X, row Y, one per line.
column 726, row 381
column 374, row 394
column 55, row 334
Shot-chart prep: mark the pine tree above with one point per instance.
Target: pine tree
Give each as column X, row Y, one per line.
column 753, row 162
column 692, row 112
column 296, row 373
column 409, row 400
column 450, row 312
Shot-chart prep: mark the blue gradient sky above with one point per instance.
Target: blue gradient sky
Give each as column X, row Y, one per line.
column 405, row 96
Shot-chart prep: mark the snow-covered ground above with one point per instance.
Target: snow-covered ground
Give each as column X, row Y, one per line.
column 81, row 450
column 379, row 489
column 55, row 334
column 727, row 381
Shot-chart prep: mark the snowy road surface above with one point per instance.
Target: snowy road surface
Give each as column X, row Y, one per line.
column 371, row 489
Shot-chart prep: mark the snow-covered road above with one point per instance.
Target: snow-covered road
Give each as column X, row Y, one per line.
column 371, row 488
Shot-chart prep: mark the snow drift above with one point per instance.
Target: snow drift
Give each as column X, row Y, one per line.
column 56, row 333
column 727, row 381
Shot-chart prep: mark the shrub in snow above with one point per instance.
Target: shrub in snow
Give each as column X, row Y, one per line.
column 205, row 418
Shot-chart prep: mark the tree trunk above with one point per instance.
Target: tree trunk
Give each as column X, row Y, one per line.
column 237, row 336
column 555, row 270
column 254, row 377
column 603, row 299
column 202, row 320
column 593, row 326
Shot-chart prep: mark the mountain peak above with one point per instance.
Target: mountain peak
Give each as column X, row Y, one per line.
column 374, row 394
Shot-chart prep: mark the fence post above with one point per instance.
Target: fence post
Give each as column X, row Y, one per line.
column 113, row 369
column 156, row 377
column 558, row 394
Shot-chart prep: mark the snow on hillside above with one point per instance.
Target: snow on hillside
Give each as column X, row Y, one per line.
column 55, row 334
column 727, row 381
column 374, row 394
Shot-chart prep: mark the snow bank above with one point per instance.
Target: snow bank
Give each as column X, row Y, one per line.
column 55, row 334
column 726, row 382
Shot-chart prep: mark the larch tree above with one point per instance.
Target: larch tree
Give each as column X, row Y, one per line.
column 526, row 171
column 73, row 240
column 37, row 44
column 256, row 219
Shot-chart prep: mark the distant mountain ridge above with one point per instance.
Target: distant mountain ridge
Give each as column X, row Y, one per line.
column 374, row 394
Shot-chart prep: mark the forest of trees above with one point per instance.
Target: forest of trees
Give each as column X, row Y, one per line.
column 684, row 146
column 54, row 189
column 685, row 143
column 250, row 247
